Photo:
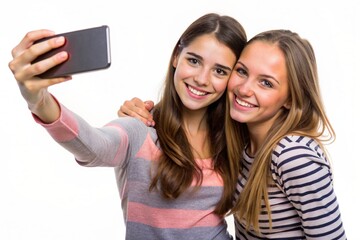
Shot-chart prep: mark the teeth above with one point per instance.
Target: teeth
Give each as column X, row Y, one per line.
column 197, row 92
column 242, row 103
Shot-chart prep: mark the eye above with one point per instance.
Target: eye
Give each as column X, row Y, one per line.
column 193, row 61
column 241, row 71
column 266, row 83
column 221, row 71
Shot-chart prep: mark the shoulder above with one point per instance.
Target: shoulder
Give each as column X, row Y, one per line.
column 128, row 123
column 133, row 127
column 136, row 132
column 299, row 164
column 293, row 146
column 298, row 153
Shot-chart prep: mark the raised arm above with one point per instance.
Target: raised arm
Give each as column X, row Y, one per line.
column 34, row 89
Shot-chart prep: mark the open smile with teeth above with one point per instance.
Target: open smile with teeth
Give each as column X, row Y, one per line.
column 244, row 104
column 196, row 92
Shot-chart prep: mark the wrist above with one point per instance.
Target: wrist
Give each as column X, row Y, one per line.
column 37, row 103
column 46, row 108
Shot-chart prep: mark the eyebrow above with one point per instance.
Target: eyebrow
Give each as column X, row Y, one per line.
column 263, row 75
column 217, row 64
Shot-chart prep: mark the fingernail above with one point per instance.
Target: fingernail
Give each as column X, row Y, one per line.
column 60, row 39
column 62, row 55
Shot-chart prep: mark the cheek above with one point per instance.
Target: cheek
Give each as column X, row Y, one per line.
column 181, row 73
column 178, row 74
column 220, row 86
column 178, row 82
column 272, row 102
column 277, row 98
column 183, row 70
column 233, row 81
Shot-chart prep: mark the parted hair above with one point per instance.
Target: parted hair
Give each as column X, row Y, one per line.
column 177, row 169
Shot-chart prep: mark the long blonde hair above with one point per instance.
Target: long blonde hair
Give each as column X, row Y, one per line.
column 306, row 117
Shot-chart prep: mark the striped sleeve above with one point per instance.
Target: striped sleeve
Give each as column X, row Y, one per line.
column 91, row 146
column 300, row 168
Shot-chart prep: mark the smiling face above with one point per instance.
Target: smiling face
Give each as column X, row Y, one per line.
column 202, row 72
column 258, row 86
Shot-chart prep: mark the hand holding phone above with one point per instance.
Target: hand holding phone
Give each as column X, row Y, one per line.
column 88, row 49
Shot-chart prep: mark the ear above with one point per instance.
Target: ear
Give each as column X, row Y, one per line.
column 175, row 61
column 287, row 104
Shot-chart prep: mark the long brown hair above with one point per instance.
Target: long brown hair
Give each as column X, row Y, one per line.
column 177, row 167
column 306, row 117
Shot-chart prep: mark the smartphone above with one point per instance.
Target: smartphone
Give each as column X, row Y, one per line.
column 88, row 49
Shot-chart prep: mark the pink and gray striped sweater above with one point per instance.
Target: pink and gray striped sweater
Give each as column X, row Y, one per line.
column 129, row 146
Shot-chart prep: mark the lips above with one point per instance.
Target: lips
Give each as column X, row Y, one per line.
column 196, row 91
column 243, row 103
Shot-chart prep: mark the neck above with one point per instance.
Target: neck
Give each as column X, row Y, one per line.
column 194, row 121
column 257, row 133
column 196, row 129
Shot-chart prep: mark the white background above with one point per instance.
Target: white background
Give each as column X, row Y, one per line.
column 46, row 195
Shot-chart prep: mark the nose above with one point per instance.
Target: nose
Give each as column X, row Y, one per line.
column 245, row 88
column 202, row 78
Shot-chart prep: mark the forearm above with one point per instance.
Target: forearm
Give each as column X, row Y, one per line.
column 106, row 146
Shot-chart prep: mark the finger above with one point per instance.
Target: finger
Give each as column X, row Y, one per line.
column 126, row 112
column 40, row 48
column 142, row 109
column 129, row 109
column 143, row 114
column 46, row 64
column 120, row 113
column 30, row 71
column 135, row 102
column 137, row 107
column 149, row 105
column 29, row 39
column 21, row 65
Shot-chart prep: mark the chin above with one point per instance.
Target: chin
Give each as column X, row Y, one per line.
column 236, row 116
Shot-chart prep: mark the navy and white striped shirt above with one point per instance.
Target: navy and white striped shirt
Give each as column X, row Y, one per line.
column 302, row 200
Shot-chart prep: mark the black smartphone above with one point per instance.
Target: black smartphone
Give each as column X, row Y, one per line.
column 88, row 49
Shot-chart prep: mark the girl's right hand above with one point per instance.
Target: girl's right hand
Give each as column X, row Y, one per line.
column 32, row 87
column 138, row 109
